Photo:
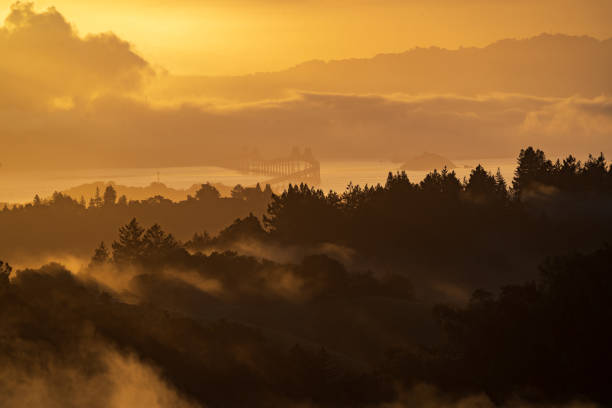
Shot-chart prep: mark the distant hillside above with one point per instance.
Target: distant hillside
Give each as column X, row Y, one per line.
column 88, row 191
column 546, row 65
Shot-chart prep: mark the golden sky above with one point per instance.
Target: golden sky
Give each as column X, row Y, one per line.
column 220, row 37
column 73, row 100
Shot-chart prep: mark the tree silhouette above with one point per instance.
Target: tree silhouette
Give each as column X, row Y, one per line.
column 533, row 168
column 96, row 201
column 444, row 182
column 156, row 241
column 238, row 192
column 207, row 193
column 100, row 256
column 130, row 246
column 110, row 196
column 500, row 185
column 5, row 273
column 122, row 201
column 481, row 183
column 286, row 218
column 245, row 228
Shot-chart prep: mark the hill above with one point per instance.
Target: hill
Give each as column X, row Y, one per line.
column 88, row 191
column 546, row 65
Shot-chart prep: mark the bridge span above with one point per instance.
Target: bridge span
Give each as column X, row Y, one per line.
column 299, row 167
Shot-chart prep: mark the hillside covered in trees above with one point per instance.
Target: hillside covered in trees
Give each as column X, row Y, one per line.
column 439, row 292
column 62, row 225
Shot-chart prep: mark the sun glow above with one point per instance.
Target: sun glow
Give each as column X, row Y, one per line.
column 239, row 37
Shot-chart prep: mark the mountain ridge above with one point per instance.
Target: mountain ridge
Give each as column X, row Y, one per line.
column 558, row 65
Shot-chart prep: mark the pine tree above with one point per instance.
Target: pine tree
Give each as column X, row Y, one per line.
column 533, row 168
column 110, row 196
column 101, row 256
column 238, row 192
column 130, row 246
column 207, row 192
column 97, row 201
column 156, row 241
column 268, row 191
column 500, row 185
column 5, row 273
column 481, row 182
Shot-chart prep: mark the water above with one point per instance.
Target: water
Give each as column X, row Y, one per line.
column 337, row 174
column 18, row 187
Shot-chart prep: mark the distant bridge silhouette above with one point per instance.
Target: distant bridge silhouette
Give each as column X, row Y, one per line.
column 297, row 168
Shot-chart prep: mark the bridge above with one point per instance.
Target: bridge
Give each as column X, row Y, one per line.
column 299, row 167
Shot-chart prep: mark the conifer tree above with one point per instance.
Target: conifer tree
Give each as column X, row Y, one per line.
column 130, row 246
column 101, row 255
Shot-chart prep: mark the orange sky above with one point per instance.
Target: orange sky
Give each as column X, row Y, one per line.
column 73, row 100
column 238, row 36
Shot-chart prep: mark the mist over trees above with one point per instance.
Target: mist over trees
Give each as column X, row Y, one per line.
column 348, row 299
column 62, row 224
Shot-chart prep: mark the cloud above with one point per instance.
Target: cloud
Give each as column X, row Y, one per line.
column 78, row 102
column 120, row 132
column 44, row 62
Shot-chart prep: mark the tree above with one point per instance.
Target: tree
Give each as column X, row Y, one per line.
column 533, row 168
column 101, row 256
column 246, row 228
column 96, row 201
column 398, row 183
column 238, row 192
column 207, row 193
column 304, row 214
column 110, row 196
column 199, row 241
column 595, row 172
column 122, row 201
column 156, row 241
column 444, row 182
column 556, row 329
column 37, row 201
column 481, row 183
column 5, row 273
column 500, row 185
column 130, row 246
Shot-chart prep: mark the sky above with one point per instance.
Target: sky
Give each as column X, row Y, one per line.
column 90, row 85
column 229, row 37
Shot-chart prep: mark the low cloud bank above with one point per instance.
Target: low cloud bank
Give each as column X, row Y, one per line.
column 127, row 132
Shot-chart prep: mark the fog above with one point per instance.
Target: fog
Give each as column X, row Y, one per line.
column 118, row 381
column 426, row 227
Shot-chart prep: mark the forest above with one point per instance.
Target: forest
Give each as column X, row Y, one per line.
column 445, row 292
